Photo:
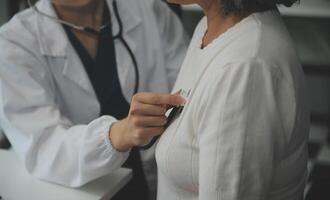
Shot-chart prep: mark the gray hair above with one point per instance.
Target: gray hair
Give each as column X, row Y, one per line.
column 241, row 7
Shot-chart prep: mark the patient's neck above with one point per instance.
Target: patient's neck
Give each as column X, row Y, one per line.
column 217, row 23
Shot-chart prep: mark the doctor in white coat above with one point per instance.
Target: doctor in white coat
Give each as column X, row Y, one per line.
column 49, row 109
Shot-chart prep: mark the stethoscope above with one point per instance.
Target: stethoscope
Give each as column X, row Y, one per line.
column 119, row 35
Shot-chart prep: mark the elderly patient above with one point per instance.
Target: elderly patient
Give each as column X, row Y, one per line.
column 242, row 133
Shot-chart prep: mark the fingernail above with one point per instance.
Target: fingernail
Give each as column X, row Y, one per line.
column 178, row 92
column 182, row 100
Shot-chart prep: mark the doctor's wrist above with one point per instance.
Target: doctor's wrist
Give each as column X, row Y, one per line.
column 117, row 137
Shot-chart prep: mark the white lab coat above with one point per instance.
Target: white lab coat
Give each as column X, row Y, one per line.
column 49, row 110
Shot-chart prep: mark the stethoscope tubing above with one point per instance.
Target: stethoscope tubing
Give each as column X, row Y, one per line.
column 129, row 50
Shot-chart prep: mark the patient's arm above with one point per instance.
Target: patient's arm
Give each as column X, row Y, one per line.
column 241, row 133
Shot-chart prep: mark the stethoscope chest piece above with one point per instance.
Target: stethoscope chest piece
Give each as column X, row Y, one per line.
column 174, row 114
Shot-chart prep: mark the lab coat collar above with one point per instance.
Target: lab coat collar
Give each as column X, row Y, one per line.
column 53, row 40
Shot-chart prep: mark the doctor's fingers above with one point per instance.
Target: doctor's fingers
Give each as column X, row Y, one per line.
column 138, row 108
column 149, row 121
column 159, row 99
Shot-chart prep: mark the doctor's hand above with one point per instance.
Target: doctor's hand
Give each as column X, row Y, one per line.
column 145, row 120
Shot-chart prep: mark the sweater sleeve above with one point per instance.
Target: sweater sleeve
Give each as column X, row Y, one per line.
column 241, row 133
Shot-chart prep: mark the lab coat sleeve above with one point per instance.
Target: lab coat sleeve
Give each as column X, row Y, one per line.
column 50, row 145
column 242, row 137
column 174, row 40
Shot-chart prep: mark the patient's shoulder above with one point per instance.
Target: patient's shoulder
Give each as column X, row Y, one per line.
column 199, row 30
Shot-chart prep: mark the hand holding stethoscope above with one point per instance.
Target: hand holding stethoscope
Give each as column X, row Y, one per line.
column 146, row 120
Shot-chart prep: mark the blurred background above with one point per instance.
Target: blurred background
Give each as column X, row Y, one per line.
column 309, row 24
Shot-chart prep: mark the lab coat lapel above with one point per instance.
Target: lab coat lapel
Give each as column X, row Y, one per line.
column 55, row 45
column 131, row 21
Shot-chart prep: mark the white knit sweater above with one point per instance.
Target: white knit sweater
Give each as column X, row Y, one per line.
column 242, row 134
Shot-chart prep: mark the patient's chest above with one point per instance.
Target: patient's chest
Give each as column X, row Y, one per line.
column 177, row 151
